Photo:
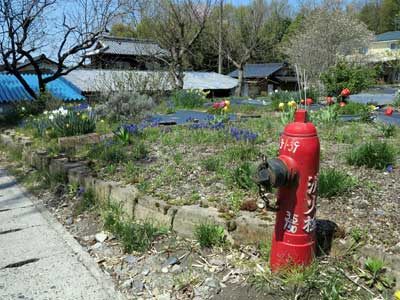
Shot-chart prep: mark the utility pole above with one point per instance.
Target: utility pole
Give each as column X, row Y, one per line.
column 221, row 7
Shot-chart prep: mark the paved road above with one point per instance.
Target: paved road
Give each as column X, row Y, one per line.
column 38, row 259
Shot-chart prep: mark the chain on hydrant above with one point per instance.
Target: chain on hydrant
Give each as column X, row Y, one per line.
column 294, row 172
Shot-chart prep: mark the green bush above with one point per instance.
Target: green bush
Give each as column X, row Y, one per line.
column 387, row 130
column 334, row 183
column 212, row 164
column 209, row 235
column 126, row 107
column 189, row 98
column 373, row 154
column 353, row 76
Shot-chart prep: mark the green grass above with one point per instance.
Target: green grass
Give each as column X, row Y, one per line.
column 242, row 176
column 86, row 202
column 373, row 154
column 212, row 164
column 332, row 182
column 134, row 236
column 209, row 235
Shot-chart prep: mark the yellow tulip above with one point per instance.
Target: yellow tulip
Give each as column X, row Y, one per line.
column 397, row 295
column 372, row 107
column 292, row 104
column 281, row 105
column 227, row 102
column 102, row 121
column 225, row 109
column 84, row 117
column 67, row 125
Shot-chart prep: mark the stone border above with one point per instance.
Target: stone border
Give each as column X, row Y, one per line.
column 245, row 229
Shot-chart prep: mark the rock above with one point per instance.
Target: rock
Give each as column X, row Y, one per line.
column 96, row 246
column 69, row 221
column 212, row 283
column 127, row 284
column 176, row 269
column 363, row 204
column 396, row 248
column 164, row 270
column 101, row 237
column 165, row 296
column 130, row 259
column 145, row 271
column 217, row 262
column 138, row 285
column 171, row 261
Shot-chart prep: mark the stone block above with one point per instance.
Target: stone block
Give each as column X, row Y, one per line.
column 80, row 140
column 6, row 139
column 126, row 196
column 188, row 217
column 154, row 210
column 78, row 175
column 61, row 166
column 250, row 229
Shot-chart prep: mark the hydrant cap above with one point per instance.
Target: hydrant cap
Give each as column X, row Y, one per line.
column 300, row 127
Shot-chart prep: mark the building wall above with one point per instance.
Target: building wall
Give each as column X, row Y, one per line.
column 382, row 48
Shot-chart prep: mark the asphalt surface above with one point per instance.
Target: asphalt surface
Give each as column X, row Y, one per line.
column 39, row 259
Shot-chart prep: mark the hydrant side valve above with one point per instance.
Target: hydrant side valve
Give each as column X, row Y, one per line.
column 295, row 173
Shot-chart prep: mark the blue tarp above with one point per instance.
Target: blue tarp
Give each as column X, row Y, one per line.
column 11, row 90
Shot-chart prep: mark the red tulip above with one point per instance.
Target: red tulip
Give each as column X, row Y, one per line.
column 329, row 100
column 216, row 105
column 309, row 101
column 342, row 104
column 345, row 92
column 222, row 104
column 388, row 111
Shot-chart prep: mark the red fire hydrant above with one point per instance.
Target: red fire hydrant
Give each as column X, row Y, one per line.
column 295, row 173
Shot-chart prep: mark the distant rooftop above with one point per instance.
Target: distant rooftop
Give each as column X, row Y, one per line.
column 11, row 90
column 388, row 36
column 258, row 70
column 127, row 46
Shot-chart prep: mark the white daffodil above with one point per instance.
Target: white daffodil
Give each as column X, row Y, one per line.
column 51, row 117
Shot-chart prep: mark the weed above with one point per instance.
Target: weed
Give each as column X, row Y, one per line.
column 212, row 164
column 357, row 234
column 242, row 176
column 132, row 172
column 373, row 154
column 332, row 182
column 111, row 169
column 195, row 196
column 134, row 236
column 375, row 276
column 178, row 157
column 265, row 249
column 209, row 235
column 108, row 151
column 235, row 201
column 241, row 153
column 139, row 151
column 86, row 202
column 186, row 280
column 387, row 130
column 333, row 288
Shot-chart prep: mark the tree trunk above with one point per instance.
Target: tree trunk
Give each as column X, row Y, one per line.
column 26, row 86
column 240, row 88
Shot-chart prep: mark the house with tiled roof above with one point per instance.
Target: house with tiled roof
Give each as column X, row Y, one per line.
column 261, row 79
column 125, row 53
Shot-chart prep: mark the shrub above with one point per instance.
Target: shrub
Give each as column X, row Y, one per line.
column 374, row 154
column 126, row 106
column 209, row 235
column 326, row 115
column 396, row 102
column 189, row 98
column 343, row 75
column 333, row 183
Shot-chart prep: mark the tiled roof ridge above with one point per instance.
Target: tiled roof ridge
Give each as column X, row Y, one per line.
column 127, row 39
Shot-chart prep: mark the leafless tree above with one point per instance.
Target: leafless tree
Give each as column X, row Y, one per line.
column 242, row 29
column 325, row 37
column 28, row 27
column 176, row 25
